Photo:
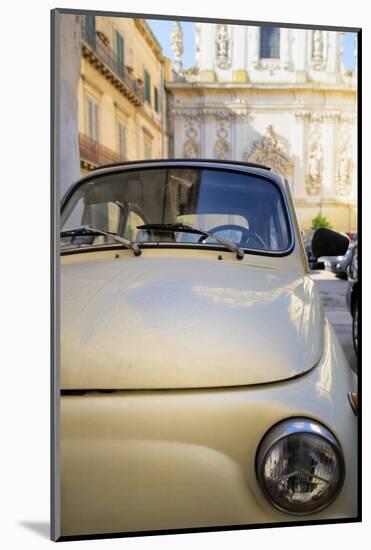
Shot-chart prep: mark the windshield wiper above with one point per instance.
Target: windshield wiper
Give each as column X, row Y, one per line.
column 93, row 231
column 182, row 228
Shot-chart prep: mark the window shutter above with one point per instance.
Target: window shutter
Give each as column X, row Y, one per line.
column 119, row 50
column 93, row 119
column 147, row 87
column 122, row 140
column 90, row 29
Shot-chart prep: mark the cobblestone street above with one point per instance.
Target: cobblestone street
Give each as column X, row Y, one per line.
column 333, row 291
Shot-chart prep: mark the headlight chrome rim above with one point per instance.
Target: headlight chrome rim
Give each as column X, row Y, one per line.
column 285, row 429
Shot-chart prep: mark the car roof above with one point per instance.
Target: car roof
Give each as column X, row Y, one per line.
column 217, row 162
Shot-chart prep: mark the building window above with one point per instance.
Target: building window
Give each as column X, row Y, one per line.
column 147, row 149
column 156, row 99
column 121, row 132
column 92, row 118
column 119, row 42
column 270, row 42
column 147, row 87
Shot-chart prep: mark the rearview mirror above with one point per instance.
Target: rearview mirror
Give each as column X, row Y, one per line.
column 326, row 242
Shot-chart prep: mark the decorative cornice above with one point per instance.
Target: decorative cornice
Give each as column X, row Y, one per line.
column 150, row 38
column 204, row 113
column 324, row 116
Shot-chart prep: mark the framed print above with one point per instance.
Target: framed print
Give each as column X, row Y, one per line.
column 206, row 287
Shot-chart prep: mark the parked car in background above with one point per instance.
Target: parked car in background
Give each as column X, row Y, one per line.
column 352, row 296
column 353, row 236
column 201, row 383
column 340, row 265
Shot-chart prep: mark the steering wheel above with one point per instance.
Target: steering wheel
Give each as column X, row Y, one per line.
column 246, row 236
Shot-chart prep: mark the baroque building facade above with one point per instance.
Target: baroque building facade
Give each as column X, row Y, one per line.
column 275, row 96
column 121, row 92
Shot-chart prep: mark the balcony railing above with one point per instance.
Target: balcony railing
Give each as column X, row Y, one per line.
column 94, row 154
column 106, row 61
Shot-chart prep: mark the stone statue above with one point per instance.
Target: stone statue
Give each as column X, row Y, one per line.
column 177, row 48
column 317, row 50
column 344, row 175
column 222, row 47
column 314, row 162
column 270, row 140
column 344, row 169
column 221, row 149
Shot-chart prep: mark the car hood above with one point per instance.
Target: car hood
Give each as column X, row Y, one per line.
column 175, row 322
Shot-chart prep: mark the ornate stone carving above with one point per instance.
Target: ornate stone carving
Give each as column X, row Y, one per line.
column 208, row 114
column 191, row 147
column 314, row 162
column 318, row 48
column 222, row 146
column 270, row 65
column 323, row 116
column 269, row 151
column 344, row 163
column 223, row 47
column 177, row 48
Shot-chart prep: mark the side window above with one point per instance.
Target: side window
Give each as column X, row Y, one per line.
column 273, row 236
column 278, row 235
column 282, row 225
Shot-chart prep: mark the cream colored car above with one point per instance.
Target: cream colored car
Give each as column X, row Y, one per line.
column 201, row 384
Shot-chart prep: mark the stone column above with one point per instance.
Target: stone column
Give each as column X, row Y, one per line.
column 254, row 45
column 207, row 53
column 285, row 50
column 239, row 64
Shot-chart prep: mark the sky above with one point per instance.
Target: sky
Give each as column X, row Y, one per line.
column 162, row 31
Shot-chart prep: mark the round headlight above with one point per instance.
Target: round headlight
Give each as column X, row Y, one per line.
column 300, row 466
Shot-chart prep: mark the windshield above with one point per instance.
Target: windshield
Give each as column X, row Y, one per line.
column 242, row 208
